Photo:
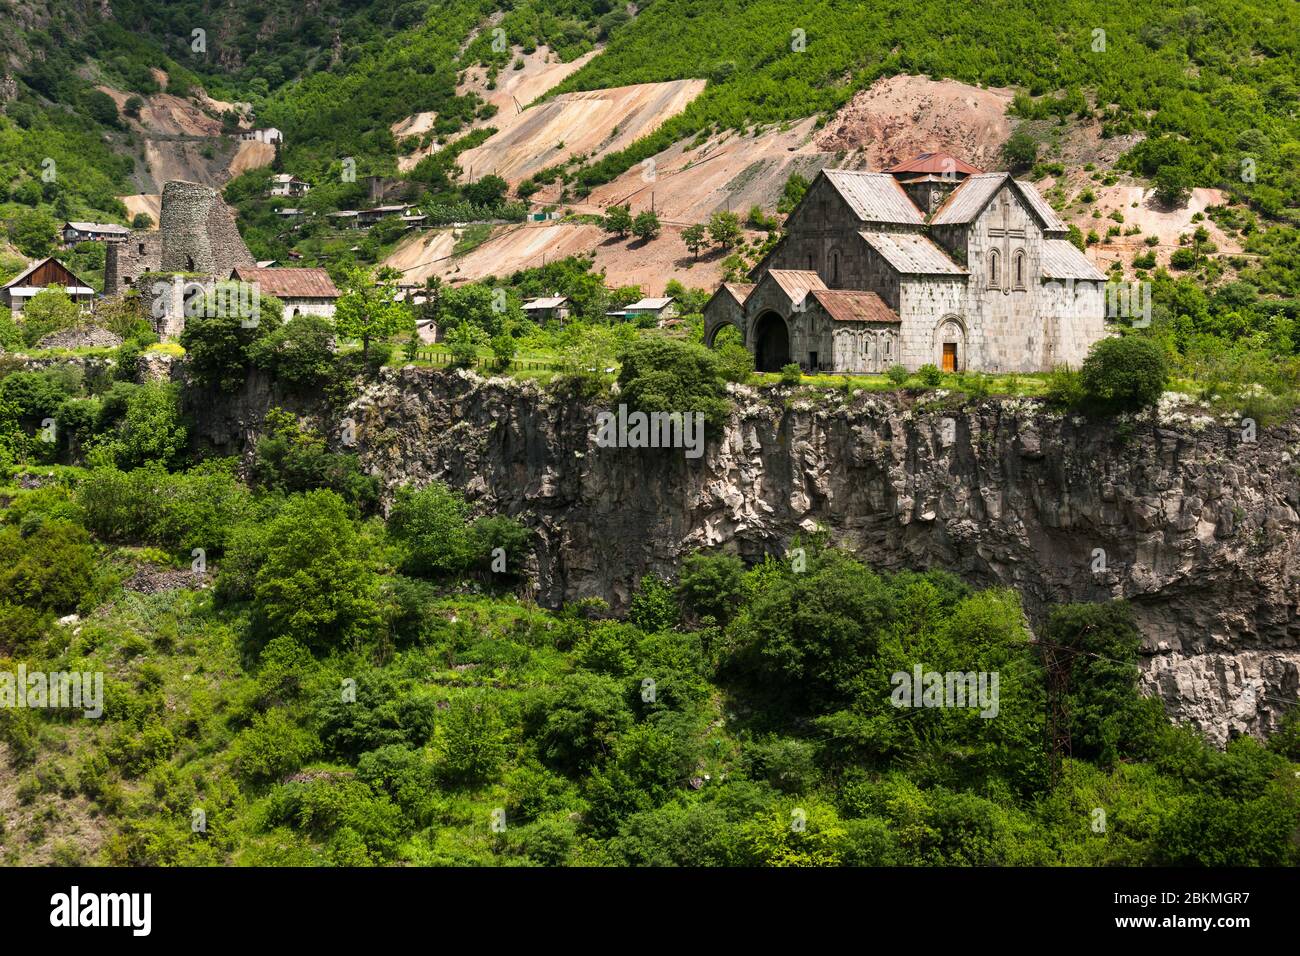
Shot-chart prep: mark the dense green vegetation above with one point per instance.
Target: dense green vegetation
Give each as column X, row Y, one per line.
column 332, row 684
column 350, row 692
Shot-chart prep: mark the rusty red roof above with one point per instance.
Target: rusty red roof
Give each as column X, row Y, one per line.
column 289, row 283
column 739, row 290
column 936, row 162
column 851, row 305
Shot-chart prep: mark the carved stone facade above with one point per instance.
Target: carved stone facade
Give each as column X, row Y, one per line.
column 933, row 262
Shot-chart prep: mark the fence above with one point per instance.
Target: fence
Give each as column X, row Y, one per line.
column 487, row 362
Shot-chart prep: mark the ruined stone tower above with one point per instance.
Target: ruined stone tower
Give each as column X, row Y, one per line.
column 196, row 234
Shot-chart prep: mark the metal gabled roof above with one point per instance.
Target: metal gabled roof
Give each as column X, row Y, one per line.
column 912, row 253
column 796, row 283
column 935, row 162
column 1063, row 260
column 851, row 305
column 875, row 197
column 1051, row 221
column 968, row 200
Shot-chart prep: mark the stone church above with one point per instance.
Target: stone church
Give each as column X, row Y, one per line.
column 931, row 262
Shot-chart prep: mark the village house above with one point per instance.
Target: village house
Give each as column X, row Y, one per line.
column 547, row 308
column 363, row 218
column 303, row 291
column 75, row 232
column 42, row 275
column 932, row 262
column 283, row 184
column 657, row 308
column 269, row 135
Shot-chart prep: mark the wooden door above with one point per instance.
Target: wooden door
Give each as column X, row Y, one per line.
column 950, row 356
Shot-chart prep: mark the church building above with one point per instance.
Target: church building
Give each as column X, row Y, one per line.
column 931, row 262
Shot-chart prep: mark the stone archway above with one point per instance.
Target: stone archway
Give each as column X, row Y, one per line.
column 950, row 347
column 771, row 343
column 711, row 332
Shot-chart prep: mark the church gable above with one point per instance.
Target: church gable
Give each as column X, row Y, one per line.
column 974, row 285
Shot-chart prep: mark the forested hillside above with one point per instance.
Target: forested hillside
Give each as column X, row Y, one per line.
column 331, row 672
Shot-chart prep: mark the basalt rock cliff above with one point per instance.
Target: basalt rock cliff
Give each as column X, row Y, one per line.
column 1178, row 513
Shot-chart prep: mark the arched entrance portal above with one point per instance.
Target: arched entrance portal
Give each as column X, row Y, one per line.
column 771, row 343
column 950, row 344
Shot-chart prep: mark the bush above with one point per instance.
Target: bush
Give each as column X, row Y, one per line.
column 463, row 342
column 469, row 742
column 654, row 606
column 431, row 526
column 314, row 583
column 291, row 457
column 299, row 353
column 930, row 374
column 897, row 374
column 1064, row 388
column 152, row 430
column 665, row 375
column 273, row 746
column 735, row 362
column 1123, row 374
column 50, row 310
column 791, row 374
column 712, row 585
column 47, row 569
column 218, row 343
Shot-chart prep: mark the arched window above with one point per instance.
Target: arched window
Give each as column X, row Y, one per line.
column 189, row 263
column 835, row 267
column 995, row 262
column 1020, row 269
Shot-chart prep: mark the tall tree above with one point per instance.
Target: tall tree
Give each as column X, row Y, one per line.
column 369, row 307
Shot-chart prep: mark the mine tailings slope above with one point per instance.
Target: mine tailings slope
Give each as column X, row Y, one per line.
column 1199, row 529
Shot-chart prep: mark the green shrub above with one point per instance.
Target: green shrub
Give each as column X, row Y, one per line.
column 274, row 745
column 299, row 353
column 1123, row 374
column 735, row 362
column 897, row 374
column 930, row 374
column 712, row 585
column 432, row 526
column 291, row 457
column 314, row 583
column 665, row 375
column 791, row 374
column 47, row 569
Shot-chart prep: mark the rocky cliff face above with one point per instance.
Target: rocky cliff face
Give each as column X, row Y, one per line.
column 1176, row 513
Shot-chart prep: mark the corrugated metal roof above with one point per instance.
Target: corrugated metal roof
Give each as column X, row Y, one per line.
column 655, row 304
column 739, row 290
column 845, row 305
column 796, row 283
column 99, row 227
column 548, row 302
column 1063, row 260
column 912, row 253
column 290, row 283
column 969, row 199
column 875, row 197
column 1051, row 221
column 936, row 162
